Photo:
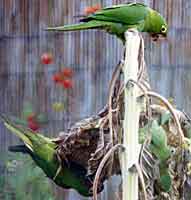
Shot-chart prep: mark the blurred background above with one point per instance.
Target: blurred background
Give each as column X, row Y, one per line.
column 92, row 55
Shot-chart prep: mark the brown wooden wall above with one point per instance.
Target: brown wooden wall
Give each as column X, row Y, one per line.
column 92, row 55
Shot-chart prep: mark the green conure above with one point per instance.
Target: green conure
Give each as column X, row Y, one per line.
column 118, row 19
column 43, row 152
column 160, row 148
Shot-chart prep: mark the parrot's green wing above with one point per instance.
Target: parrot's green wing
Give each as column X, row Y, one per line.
column 81, row 26
column 165, row 181
column 159, row 145
column 129, row 14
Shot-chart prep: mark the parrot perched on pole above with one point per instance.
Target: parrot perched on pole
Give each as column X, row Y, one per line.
column 43, row 152
column 117, row 19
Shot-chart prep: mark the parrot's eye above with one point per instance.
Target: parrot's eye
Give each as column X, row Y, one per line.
column 163, row 29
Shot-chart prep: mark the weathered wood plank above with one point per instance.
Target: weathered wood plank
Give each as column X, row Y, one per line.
column 22, row 77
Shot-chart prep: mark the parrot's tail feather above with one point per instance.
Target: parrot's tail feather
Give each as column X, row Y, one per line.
column 77, row 16
column 19, row 132
column 81, row 26
column 19, row 148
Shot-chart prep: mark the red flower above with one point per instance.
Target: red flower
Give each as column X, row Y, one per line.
column 67, row 72
column 92, row 9
column 33, row 125
column 46, row 58
column 31, row 117
column 97, row 7
column 57, row 78
column 67, row 83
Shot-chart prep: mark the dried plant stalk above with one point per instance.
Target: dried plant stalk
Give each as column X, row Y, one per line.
column 130, row 156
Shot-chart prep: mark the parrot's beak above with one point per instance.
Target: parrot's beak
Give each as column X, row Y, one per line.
column 158, row 36
column 155, row 37
column 164, row 35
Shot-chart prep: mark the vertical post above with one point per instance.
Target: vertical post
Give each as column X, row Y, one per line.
column 131, row 119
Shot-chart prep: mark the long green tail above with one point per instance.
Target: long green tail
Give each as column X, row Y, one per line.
column 20, row 149
column 31, row 139
column 81, row 26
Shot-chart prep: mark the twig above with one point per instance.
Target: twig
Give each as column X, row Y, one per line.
column 109, row 117
column 101, row 166
column 144, row 93
column 113, row 135
column 141, row 180
column 146, row 152
column 111, row 88
column 102, row 124
column 141, row 59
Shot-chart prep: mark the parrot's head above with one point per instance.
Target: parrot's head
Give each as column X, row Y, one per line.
column 157, row 25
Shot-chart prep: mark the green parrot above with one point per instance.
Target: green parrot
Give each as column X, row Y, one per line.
column 159, row 145
column 43, row 152
column 117, row 19
column 160, row 148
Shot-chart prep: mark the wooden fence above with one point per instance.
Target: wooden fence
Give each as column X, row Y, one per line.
column 91, row 54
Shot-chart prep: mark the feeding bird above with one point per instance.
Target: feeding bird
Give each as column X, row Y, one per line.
column 117, row 19
column 43, row 151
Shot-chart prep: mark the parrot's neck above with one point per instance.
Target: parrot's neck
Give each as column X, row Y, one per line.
column 147, row 24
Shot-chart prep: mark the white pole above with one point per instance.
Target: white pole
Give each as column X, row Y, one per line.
column 131, row 119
